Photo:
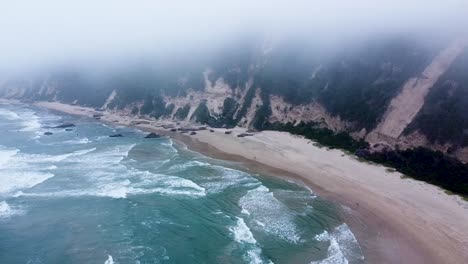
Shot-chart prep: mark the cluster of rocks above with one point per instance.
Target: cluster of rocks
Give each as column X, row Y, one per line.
column 98, row 116
column 67, row 126
column 183, row 130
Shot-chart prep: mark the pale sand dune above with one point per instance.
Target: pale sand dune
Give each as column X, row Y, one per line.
column 395, row 220
column 405, row 106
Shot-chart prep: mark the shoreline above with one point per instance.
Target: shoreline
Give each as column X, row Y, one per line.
column 395, row 220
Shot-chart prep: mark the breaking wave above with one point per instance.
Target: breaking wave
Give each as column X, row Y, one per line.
column 243, row 235
column 343, row 246
column 21, row 171
column 263, row 207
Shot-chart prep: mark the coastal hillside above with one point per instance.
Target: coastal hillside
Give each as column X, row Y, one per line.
column 382, row 94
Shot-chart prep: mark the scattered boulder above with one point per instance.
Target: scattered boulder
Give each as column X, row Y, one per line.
column 68, row 129
column 48, row 133
column 227, row 132
column 193, row 133
column 173, row 129
column 64, row 125
column 211, row 130
column 116, row 135
column 97, row 115
column 152, row 135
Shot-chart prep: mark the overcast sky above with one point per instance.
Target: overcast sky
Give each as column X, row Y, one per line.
column 46, row 31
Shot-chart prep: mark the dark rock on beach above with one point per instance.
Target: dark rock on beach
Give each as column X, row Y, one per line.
column 227, row 132
column 152, row 135
column 245, row 135
column 116, row 135
column 64, row 125
column 48, row 133
column 173, row 129
column 193, row 133
column 211, row 130
column 68, row 129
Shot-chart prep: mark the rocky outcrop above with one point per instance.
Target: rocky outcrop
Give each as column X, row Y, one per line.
column 284, row 112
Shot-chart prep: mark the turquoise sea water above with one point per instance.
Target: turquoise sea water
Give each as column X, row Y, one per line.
column 82, row 197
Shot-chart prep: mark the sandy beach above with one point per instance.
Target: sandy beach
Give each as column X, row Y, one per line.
column 394, row 218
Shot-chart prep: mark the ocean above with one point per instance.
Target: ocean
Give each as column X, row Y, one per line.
column 81, row 196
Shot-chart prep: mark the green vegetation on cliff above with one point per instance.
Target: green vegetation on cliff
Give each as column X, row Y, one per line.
column 324, row 136
column 427, row 165
column 182, row 112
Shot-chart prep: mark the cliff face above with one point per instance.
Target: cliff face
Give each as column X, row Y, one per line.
column 398, row 92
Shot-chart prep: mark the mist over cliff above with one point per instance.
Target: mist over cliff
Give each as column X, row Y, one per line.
column 324, row 66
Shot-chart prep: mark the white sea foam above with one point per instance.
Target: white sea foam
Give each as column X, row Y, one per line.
column 244, row 211
column 30, row 122
column 264, row 207
column 115, row 184
column 21, row 171
column 8, row 114
column 84, row 140
column 33, row 158
column 6, row 155
column 228, row 178
column 7, row 211
column 166, row 184
column 343, row 246
column 109, row 260
column 242, row 233
column 22, row 180
column 187, row 165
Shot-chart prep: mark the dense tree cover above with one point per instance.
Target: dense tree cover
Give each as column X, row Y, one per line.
column 263, row 112
column 316, row 132
column 248, row 97
column 169, row 109
column 444, row 116
column 230, row 107
column 224, row 119
column 427, row 165
column 202, row 114
column 182, row 112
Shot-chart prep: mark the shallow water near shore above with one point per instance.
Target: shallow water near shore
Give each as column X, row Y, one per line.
column 82, row 197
